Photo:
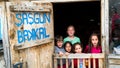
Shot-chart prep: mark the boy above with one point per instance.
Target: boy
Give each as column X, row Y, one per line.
column 59, row 49
column 73, row 39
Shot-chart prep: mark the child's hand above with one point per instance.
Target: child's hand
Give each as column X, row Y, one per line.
column 60, row 54
column 67, row 53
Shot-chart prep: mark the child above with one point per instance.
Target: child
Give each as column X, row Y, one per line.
column 93, row 47
column 71, row 31
column 59, row 49
column 68, row 47
column 78, row 50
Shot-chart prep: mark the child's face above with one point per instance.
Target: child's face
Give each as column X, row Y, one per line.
column 94, row 40
column 71, row 31
column 59, row 43
column 68, row 47
column 78, row 49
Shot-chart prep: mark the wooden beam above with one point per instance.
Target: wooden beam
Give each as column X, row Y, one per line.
column 105, row 29
column 72, row 56
column 6, row 45
column 55, row 1
column 62, row 1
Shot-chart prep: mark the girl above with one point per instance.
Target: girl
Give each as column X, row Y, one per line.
column 71, row 31
column 93, row 47
column 78, row 50
column 68, row 47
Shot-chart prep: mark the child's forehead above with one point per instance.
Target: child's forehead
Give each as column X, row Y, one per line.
column 78, row 45
column 70, row 27
column 94, row 36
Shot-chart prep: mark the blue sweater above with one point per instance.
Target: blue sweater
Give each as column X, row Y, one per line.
column 57, row 50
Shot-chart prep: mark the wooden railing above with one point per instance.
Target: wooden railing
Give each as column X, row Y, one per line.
column 86, row 60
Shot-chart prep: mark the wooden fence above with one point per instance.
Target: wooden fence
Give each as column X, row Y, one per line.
column 86, row 60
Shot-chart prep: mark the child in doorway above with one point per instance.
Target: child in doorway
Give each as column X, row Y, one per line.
column 78, row 50
column 68, row 48
column 93, row 47
column 59, row 49
column 71, row 31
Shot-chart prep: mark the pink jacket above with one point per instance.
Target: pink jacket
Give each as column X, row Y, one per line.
column 93, row 49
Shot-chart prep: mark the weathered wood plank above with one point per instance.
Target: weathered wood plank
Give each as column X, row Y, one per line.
column 67, row 63
column 2, row 62
column 72, row 56
column 57, row 0
column 114, row 66
column 89, row 63
column 105, row 30
column 114, row 61
column 6, row 44
column 31, row 57
column 29, row 29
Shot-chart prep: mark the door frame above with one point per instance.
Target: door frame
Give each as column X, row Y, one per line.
column 104, row 27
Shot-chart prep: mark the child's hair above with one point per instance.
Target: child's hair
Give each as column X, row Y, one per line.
column 90, row 41
column 74, row 45
column 70, row 26
column 58, row 38
column 68, row 42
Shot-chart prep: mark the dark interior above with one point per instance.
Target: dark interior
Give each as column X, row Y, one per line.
column 85, row 16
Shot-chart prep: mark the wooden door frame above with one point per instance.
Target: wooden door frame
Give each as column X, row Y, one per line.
column 104, row 28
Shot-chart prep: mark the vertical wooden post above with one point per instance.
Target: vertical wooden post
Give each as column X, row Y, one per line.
column 55, row 63
column 6, row 45
column 89, row 63
column 83, row 62
column 105, row 29
column 61, row 63
column 94, row 64
column 100, row 63
column 72, row 63
column 78, row 61
column 67, row 62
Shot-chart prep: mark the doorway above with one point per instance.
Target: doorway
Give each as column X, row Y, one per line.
column 84, row 16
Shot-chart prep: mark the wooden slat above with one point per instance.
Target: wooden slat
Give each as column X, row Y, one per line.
column 72, row 63
column 61, row 63
column 100, row 63
column 83, row 63
column 94, row 64
column 55, row 63
column 78, row 61
column 67, row 63
column 89, row 63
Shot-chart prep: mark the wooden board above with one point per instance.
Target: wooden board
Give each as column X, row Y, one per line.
column 6, row 45
column 57, row 0
column 30, row 24
column 34, row 53
column 114, row 66
column 2, row 62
